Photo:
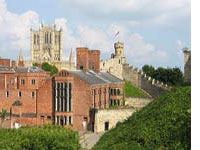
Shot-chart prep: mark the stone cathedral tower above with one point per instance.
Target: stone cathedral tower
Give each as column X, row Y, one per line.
column 46, row 44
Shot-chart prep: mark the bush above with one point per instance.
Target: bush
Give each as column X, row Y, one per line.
column 39, row 138
column 164, row 124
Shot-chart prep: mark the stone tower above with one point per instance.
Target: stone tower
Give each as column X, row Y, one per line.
column 46, row 44
column 119, row 52
column 187, row 64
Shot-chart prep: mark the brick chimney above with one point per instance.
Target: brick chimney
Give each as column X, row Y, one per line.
column 88, row 59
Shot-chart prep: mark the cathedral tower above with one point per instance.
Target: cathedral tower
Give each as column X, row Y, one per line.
column 46, row 44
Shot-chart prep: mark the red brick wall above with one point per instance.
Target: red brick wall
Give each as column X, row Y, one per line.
column 5, row 62
column 41, row 103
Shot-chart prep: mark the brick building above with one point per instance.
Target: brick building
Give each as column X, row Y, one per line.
column 24, row 96
column 31, row 96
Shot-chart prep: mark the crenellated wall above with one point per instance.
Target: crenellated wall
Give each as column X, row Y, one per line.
column 153, row 87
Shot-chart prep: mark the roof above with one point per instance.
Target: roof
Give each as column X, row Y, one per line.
column 6, row 69
column 32, row 69
column 94, row 78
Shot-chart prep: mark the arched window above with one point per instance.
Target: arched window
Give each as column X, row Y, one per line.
column 38, row 39
column 34, row 39
column 50, row 38
column 47, row 37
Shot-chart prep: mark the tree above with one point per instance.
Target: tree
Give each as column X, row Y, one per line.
column 149, row 70
column 172, row 76
column 3, row 116
column 50, row 68
column 35, row 64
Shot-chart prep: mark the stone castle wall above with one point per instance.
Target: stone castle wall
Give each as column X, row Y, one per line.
column 139, row 79
column 113, row 116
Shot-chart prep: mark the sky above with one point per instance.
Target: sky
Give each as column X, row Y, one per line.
column 154, row 32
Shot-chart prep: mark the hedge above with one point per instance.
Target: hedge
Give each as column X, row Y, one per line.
column 39, row 138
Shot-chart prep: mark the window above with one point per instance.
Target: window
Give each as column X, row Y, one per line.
column 106, row 126
column 22, row 81
column 33, row 94
column 38, row 39
column 20, row 94
column 70, row 120
column 7, row 94
column 81, row 67
column 118, row 102
column 11, row 81
column 118, row 91
column 48, row 117
column 119, row 61
column 115, row 93
column 34, row 39
column 33, row 82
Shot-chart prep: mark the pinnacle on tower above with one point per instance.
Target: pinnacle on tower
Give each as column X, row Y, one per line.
column 71, row 57
column 20, row 58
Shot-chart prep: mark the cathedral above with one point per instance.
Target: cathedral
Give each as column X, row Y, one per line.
column 47, row 46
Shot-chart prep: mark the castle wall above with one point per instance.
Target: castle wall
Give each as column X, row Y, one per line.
column 112, row 66
column 112, row 116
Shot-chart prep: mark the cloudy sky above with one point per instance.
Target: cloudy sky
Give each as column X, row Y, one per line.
column 154, row 32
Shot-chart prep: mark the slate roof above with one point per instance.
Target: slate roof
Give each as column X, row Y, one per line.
column 6, row 69
column 32, row 69
column 96, row 78
column 20, row 69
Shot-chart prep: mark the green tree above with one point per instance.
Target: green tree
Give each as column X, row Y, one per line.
column 35, row 64
column 172, row 76
column 3, row 116
column 149, row 70
column 50, row 68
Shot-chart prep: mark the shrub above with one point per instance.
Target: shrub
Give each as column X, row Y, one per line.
column 164, row 124
column 39, row 138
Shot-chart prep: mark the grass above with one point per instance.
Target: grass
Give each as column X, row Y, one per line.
column 132, row 91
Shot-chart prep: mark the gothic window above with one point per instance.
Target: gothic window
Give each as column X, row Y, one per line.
column 55, row 39
column 47, row 37
column 38, row 39
column 44, row 37
column 50, row 37
column 34, row 39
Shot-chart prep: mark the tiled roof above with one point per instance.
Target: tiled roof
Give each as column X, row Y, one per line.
column 96, row 78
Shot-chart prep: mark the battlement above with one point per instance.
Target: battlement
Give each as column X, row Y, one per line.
column 119, row 45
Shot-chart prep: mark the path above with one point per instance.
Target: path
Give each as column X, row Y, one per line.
column 89, row 139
